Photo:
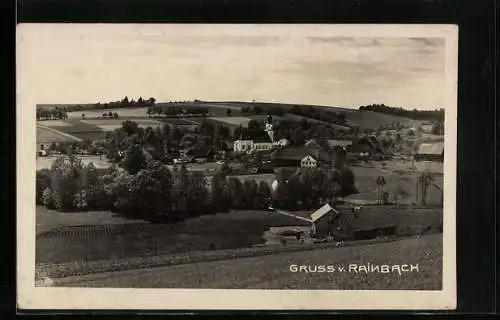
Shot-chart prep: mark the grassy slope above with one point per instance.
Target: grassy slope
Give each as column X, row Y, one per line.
column 365, row 119
column 272, row 272
column 366, row 184
column 230, row 230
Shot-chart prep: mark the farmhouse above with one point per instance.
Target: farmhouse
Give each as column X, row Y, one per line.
column 308, row 162
column 368, row 145
column 430, row 152
column 294, row 156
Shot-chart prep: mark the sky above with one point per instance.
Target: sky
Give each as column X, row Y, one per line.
column 299, row 64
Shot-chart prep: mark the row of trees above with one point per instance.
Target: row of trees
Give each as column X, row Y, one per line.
column 438, row 128
column 164, row 141
column 152, row 193
column 415, row 114
column 126, row 102
column 309, row 188
column 57, row 113
column 176, row 110
column 158, row 194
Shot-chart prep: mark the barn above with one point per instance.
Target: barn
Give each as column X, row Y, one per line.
column 432, row 151
column 322, row 220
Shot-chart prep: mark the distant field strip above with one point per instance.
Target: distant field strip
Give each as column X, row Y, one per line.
column 235, row 121
column 122, row 112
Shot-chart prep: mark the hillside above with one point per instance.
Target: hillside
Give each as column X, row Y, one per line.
column 355, row 118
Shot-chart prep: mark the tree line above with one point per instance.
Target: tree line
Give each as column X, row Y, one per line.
column 256, row 109
column 414, row 114
column 126, row 102
column 156, row 193
column 176, row 110
column 57, row 113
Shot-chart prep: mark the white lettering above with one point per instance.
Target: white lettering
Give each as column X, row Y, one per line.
column 363, row 268
column 353, row 267
column 396, row 267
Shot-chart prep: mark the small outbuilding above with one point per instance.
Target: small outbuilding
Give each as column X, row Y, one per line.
column 322, row 219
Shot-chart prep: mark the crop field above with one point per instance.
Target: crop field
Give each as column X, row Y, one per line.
column 113, row 124
column 373, row 120
column 233, row 121
column 80, row 129
column 235, row 229
column 122, row 113
column 180, row 122
column 44, row 135
column 54, row 123
column 295, row 117
column 50, row 219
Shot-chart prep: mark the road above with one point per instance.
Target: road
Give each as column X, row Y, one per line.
column 273, row 271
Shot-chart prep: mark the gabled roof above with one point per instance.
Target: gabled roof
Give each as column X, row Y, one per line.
column 436, row 148
column 315, row 216
column 308, row 157
column 313, row 143
column 298, row 153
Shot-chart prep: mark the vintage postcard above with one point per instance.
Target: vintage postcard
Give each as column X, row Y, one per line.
column 214, row 167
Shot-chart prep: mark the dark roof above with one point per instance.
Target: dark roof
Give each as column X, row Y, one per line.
column 339, row 143
column 298, row 153
column 262, row 139
column 198, row 151
column 372, row 141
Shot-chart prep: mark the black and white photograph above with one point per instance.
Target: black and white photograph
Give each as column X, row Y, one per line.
column 258, row 166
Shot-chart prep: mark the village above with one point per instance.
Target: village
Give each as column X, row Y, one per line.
column 396, row 172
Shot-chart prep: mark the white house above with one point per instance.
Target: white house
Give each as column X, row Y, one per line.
column 243, row 145
column 308, row 162
column 262, row 146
